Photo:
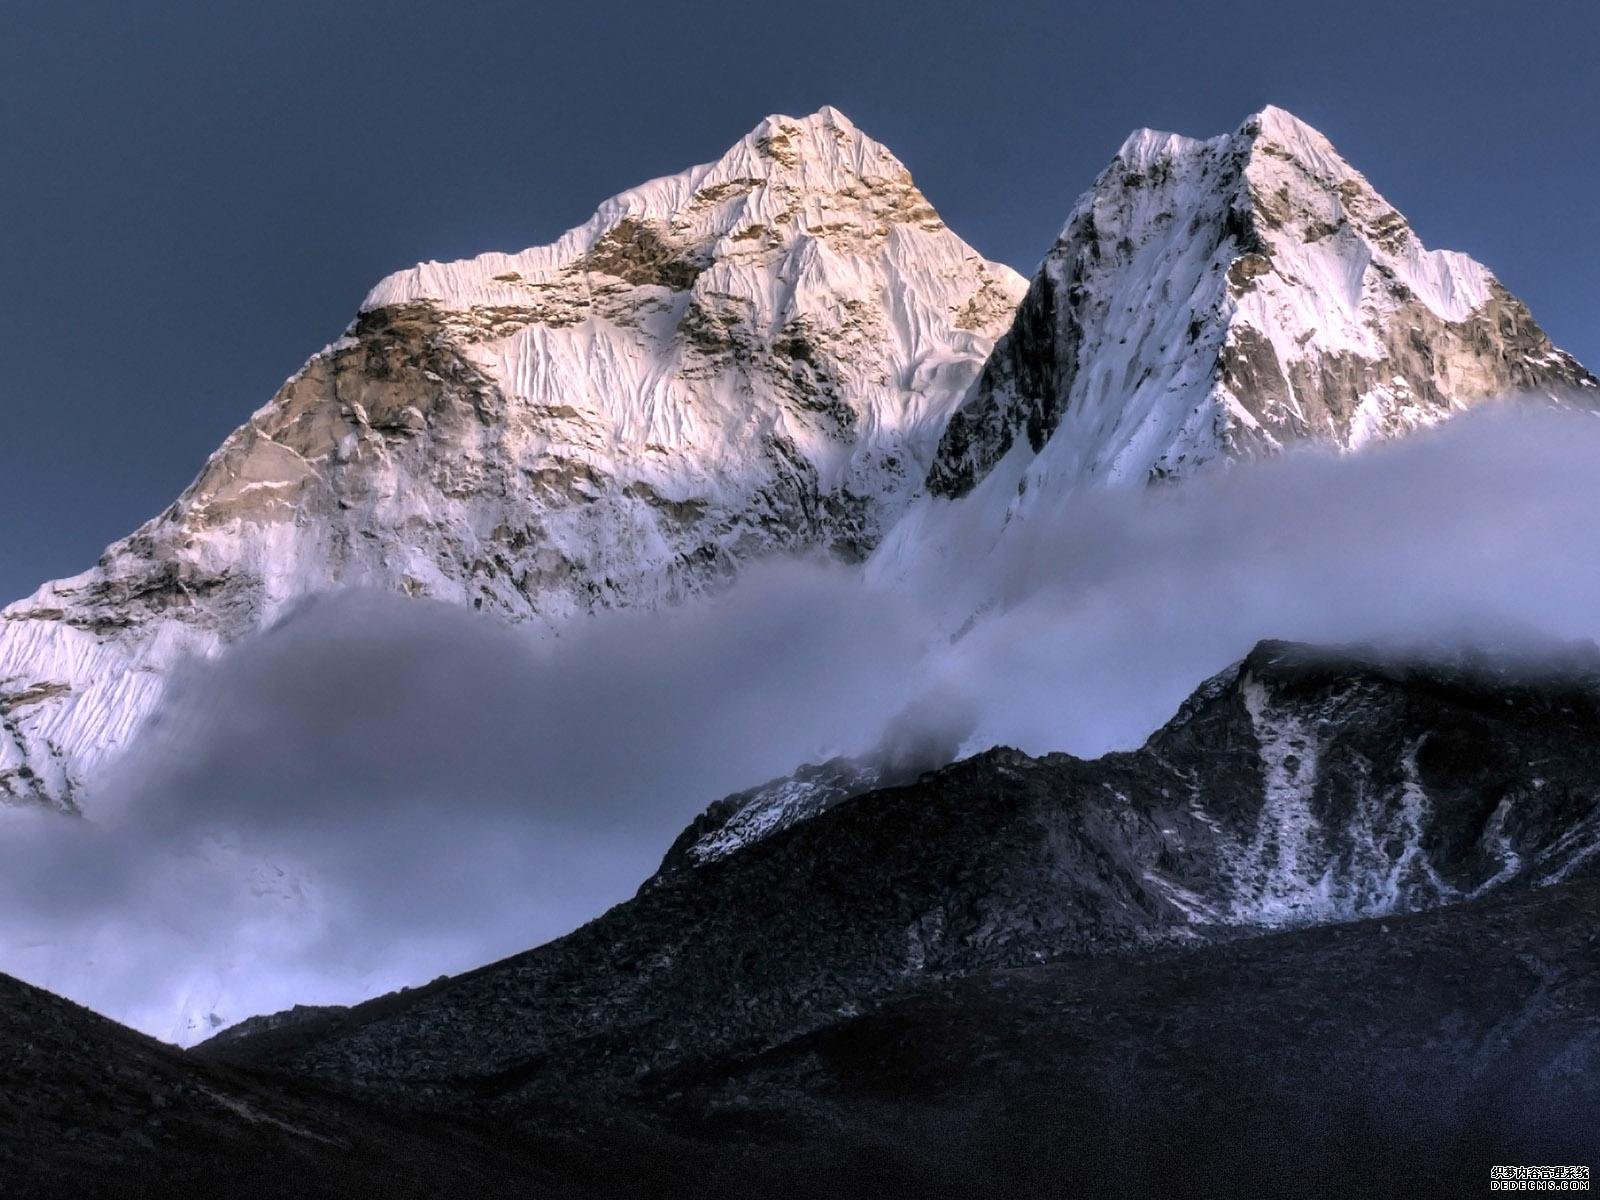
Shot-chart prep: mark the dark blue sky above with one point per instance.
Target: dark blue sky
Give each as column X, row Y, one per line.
column 195, row 196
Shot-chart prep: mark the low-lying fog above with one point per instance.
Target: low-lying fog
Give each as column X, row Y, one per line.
column 378, row 791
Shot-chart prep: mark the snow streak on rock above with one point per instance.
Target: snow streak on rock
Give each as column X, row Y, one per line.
column 1335, row 846
column 1279, row 879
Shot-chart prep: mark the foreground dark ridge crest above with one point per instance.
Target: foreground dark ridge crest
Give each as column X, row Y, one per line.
column 1416, row 1049
column 1298, row 787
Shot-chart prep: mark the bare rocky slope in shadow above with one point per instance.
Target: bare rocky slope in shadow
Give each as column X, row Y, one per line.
column 1406, row 1053
column 1300, row 786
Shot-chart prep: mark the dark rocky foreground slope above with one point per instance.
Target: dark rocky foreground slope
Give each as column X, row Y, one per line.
column 1335, row 921
column 1391, row 1056
column 89, row 1108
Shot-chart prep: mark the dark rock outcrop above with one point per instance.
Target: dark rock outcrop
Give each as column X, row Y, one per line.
column 1299, row 787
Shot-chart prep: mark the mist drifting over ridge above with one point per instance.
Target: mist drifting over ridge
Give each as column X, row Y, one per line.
column 377, row 791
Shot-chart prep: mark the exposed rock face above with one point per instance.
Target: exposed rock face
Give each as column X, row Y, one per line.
column 756, row 355
column 1224, row 299
column 1299, row 787
column 929, row 984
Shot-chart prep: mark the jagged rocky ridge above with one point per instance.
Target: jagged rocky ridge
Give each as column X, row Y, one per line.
column 756, row 355
column 1299, row 787
column 736, row 821
column 918, row 739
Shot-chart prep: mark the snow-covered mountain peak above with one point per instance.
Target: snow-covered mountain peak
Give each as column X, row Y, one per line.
column 823, row 144
column 1300, row 184
column 1286, row 179
column 1210, row 300
column 755, row 355
column 1278, row 127
column 1272, row 130
column 817, row 177
column 1143, row 148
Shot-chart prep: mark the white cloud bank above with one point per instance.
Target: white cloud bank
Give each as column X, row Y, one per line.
column 378, row 790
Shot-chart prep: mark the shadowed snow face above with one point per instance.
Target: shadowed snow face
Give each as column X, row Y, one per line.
column 377, row 791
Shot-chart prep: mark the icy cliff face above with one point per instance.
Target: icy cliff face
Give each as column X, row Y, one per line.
column 756, row 355
column 1215, row 300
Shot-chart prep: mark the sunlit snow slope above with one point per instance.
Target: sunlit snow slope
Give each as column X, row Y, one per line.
column 755, row 355
column 1215, row 300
